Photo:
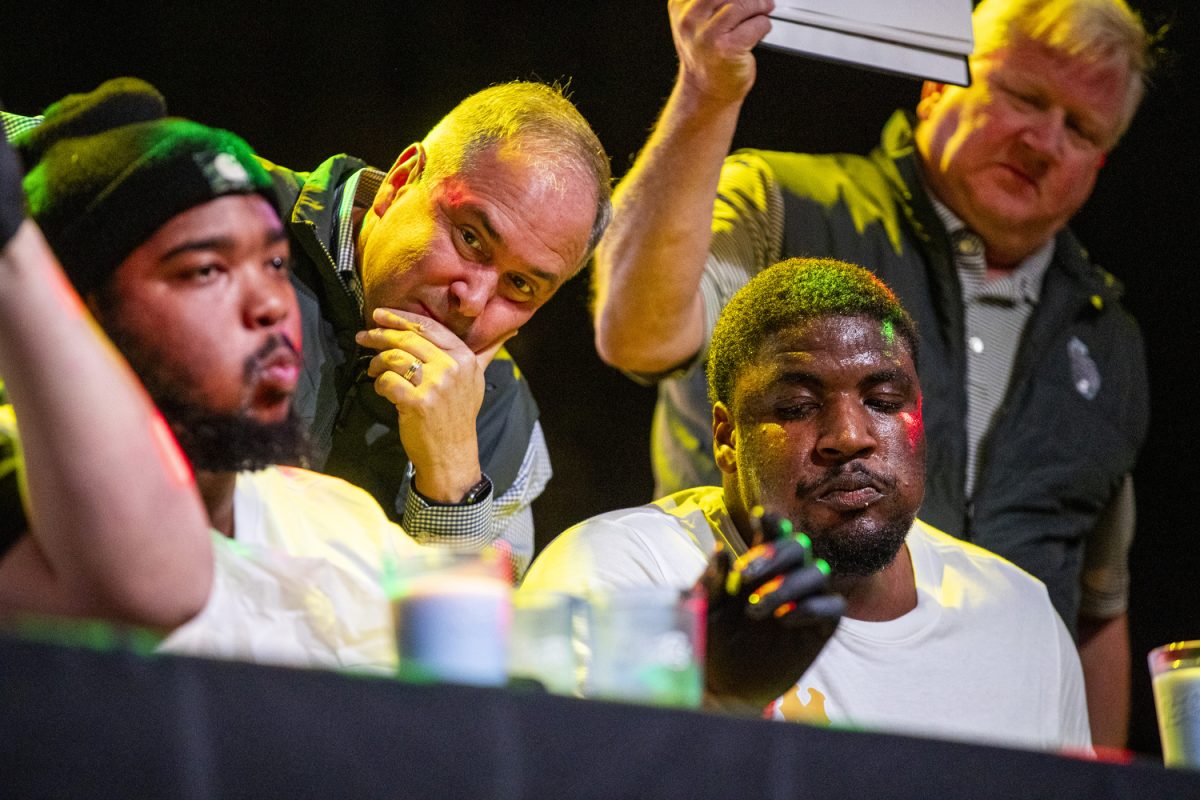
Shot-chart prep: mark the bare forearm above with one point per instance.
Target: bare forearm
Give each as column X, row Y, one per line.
column 446, row 475
column 113, row 508
column 649, row 315
column 1104, row 654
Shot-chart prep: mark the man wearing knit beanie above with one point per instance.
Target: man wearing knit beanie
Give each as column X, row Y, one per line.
column 168, row 230
column 107, row 170
column 441, row 259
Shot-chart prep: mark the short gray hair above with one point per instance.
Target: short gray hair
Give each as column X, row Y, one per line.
column 535, row 118
column 1097, row 31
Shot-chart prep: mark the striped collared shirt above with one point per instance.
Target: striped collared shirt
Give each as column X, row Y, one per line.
column 15, row 124
column 995, row 312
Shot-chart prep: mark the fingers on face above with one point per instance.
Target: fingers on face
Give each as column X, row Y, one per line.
column 426, row 327
column 392, row 339
column 402, row 362
column 486, row 355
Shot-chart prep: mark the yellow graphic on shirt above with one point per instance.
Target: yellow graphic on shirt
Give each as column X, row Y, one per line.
column 794, row 708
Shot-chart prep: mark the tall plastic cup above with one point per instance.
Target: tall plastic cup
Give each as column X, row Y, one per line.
column 647, row 646
column 541, row 647
column 1175, row 672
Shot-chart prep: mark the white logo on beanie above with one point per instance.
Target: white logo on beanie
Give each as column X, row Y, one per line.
column 230, row 168
column 225, row 174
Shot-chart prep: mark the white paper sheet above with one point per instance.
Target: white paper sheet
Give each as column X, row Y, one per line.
column 926, row 39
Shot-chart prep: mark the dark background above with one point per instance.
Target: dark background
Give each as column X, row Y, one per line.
column 302, row 81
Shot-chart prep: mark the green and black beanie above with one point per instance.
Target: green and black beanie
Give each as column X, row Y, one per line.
column 108, row 168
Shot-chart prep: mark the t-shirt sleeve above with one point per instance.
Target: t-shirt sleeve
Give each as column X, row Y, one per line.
column 1074, row 730
column 1105, row 577
column 603, row 555
column 575, row 561
column 747, row 232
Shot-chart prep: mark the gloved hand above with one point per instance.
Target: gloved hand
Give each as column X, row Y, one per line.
column 12, row 197
column 769, row 614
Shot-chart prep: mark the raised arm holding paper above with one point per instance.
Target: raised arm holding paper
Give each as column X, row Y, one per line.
column 1035, row 372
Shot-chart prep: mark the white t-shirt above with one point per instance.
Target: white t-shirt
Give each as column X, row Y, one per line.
column 983, row 657
column 300, row 582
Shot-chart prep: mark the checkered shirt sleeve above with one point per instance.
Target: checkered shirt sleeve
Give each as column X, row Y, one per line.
column 505, row 521
column 747, row 232
column 1105, row 579
column 15, row 124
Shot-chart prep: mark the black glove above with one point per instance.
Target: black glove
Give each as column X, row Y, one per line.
column 12, row 197
column 769, row 615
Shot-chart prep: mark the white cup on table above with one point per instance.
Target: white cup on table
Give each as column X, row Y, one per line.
column 452, row 613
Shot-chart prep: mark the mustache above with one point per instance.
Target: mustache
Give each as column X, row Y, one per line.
column 846, row 477
column 277, row 347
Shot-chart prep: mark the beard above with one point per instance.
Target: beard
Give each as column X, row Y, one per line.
column 860, row 546
column 220, row 442
column 214, row 441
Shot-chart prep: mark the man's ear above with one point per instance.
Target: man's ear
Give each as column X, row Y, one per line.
column 931, row 93
column 405, row 171
column 724, row 439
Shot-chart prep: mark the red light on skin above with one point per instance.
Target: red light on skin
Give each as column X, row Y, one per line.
column 455, row 192
column 71, row 303
column 178, row 467
column 504, row 552
column 914, row 424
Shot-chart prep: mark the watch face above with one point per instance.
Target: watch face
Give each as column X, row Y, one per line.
column 478, row 491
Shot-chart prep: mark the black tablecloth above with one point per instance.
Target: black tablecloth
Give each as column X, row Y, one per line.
column 77, row 722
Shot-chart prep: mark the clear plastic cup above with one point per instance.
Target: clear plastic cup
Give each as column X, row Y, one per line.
column 1175, row 672
column 540, row 646
column 647, row 646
